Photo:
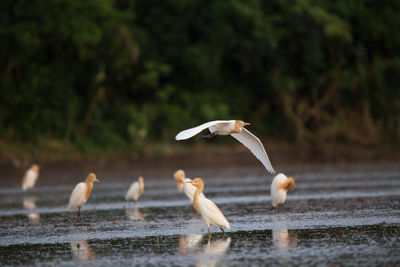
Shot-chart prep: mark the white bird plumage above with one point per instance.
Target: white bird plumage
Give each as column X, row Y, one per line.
column 208, row 210
column 30, row 177
column 279, row 187
column 77, row 198
column 195, row 130
column 184, row 186
column 212, row 214
column 81, row 193
column 236, row 129
column 135, row 190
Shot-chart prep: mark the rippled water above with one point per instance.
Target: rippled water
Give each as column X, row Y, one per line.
column 344, row 218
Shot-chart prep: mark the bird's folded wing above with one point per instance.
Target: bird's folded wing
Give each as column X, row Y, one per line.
column 29, row 180
column 132, row 191
column 195, row 130
column 77, row 196
column 213, row 213
column 255, row 146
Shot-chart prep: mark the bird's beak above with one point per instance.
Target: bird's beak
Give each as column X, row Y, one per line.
column 246, row 123
column 97, row 181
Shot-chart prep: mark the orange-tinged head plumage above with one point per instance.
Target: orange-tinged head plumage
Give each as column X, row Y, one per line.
column 92, row 178
column 239, row 126
column 290, row 183
column 241, row 123
column 141, row 179
column 35, row 167
column 179, row 175
column 197, row 182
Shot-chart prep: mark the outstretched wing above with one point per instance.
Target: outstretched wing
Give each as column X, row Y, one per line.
column 195, row 130
column 254, row 144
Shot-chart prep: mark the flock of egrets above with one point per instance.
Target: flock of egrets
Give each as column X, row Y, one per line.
column 193, row 189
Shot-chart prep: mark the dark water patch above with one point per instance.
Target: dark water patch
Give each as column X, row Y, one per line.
column 359, row 245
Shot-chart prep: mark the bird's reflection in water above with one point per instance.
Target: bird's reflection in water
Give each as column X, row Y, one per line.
column 189, row 242
column 210, row 254
column 29, row 203
column 134, row 214
column 280, row 234
column 82, row 251
column 214, row 252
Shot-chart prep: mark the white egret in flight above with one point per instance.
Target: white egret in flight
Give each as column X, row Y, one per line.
column 236, row 129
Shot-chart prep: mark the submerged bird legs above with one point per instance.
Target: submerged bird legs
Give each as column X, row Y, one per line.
column 78, row 216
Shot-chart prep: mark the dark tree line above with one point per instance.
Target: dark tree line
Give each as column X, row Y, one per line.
column 109, row 73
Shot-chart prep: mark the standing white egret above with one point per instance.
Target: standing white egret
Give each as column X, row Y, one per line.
column 187, row 188
column 135, row 190
column 30, row 177
column 280, row 185
column 208, row 210
column 81, row 194
column 236, row 129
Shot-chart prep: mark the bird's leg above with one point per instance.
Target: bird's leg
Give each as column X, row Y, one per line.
column 79, row 215
column 281, row 208
column 223, row 232
column 210, row 135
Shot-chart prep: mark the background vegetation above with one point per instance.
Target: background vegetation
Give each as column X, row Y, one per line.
column 118, row 74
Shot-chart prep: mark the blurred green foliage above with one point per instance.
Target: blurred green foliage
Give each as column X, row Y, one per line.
column 112, row 73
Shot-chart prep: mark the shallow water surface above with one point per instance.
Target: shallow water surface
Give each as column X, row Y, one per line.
column 331, row 218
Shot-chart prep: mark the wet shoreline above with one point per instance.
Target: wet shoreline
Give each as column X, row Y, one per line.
column 349, row 214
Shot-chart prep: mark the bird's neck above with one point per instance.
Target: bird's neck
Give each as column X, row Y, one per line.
column 284, row 185
column 179, row 185
column 36, row 171
column 89, row 186
column 237, row 128
column 196, row 196
column 141, row 187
